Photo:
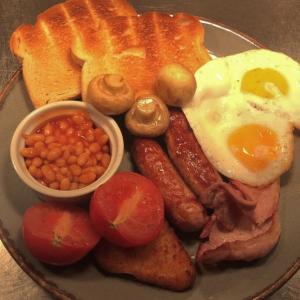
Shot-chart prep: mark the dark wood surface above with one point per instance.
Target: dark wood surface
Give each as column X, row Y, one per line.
column 274, row 23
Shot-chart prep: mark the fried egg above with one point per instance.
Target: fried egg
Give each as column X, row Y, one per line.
column 243, row 114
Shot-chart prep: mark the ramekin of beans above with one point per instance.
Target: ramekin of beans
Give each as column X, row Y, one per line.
column 65, row 150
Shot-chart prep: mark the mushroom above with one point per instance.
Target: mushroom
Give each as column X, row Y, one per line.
column 175, row 85
column 110, row 94
column 148, row 117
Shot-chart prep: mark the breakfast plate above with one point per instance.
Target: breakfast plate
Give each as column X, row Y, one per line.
column 84, row 281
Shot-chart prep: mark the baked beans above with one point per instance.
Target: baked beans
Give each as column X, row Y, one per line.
column 67, row 152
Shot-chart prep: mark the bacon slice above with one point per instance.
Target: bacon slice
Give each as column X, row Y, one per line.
column 246, row 242
column 257, row 203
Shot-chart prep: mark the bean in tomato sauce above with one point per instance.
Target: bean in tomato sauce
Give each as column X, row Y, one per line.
column 67, row 152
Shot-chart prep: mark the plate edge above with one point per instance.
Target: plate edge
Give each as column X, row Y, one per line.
column 59, row 293
column 234, row 31
column 8, row 85
column 30, row 270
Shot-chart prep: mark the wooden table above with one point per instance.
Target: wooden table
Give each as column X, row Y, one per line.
column 275, row 23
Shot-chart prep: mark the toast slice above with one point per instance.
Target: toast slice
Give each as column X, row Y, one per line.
column 164, row 262
column 49, row 72
column 137, row 47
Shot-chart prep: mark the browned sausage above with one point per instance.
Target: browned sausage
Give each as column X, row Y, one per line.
column 182, row 207
column 188, row 157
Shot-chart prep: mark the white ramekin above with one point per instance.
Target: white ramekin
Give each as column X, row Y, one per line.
column 47, row 112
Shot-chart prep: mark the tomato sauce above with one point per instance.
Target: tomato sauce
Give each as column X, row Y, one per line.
column 67, row 152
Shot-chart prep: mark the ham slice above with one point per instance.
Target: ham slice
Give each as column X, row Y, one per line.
column 245, row 225
column 266, row 199
column 246, row 242
column 231, row 199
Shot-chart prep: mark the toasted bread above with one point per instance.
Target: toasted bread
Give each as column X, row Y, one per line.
column 137, row 47
column 164, row 262
column 44, row 49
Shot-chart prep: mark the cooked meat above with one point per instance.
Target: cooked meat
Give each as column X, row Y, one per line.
column 182, row 207
column 187, row 155
column 246, row 242
column 266, row 200
column 258, row 204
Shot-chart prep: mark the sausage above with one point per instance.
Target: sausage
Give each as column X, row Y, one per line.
column 182, row 207
column 188, row 157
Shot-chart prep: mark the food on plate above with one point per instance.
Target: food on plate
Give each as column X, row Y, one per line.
column 188, row 157
column 182, row 207
column 128, row 210
column 269, row 82
column 253, row 214
column 238, row 122
column 243, row 114
column 240, row 244
column 67, row 152
column 175, row 84
column 148, row 117
column 44, row 49
column 227, row 199
column 137, row 47
column 257, row 203
column 243, row 224
column 164, row 262
column 58, row 234
column 110, row 94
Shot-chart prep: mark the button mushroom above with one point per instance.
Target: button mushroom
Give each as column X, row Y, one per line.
column 175, row 85
column 148, row 117
column 110, row 94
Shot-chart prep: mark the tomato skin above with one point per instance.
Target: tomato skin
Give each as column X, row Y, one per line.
column 128, row 210
column 58, row 234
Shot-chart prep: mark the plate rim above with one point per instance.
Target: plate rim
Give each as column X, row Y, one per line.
column 61, row 293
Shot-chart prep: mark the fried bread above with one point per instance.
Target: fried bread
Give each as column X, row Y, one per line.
column 164, row 262
column 137, row 47
column 49, row 72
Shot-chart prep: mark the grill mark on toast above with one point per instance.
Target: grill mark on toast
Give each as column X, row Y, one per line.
column 47, row 33
column 115, row 9
column 92, row 12
column 98, row 42
column 130, row 40
column 135, row 55
column 122, row 34
column 158, row 38
column 76, row 9
column 80, row 14
column 105, row 8
column 165, row 31
column 55, row 19
column 107, row 45
column 150, row 43
column 69, row 20
column 187, row 28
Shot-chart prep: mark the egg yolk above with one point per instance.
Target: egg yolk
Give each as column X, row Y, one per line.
column 266, row 83
column 254, row 145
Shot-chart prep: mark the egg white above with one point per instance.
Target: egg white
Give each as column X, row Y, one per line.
column 219, row 107
column 213, row 124
column 284, row 106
